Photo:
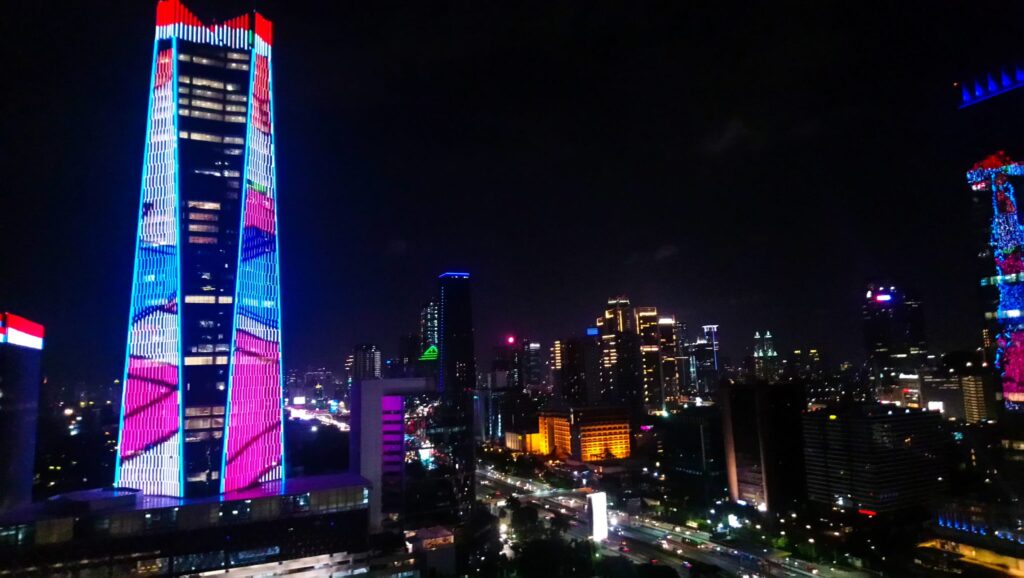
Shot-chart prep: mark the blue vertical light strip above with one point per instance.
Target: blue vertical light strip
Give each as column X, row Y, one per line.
column 238, row 263
column 181, row 271
column 135, row 261
column 277, row 249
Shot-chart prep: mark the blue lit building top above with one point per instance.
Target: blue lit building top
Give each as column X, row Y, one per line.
column 993, row 84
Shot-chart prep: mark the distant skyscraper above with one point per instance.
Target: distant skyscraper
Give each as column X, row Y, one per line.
column 456, row 380
column 428, row 326
column 367, row 362
column 702, row 359
column 578, row 372
column 21, row 346
column 668, row 342
column 766, row 359
column 893, row 333
column 650, row 356
column 621, row 366
column 763, row 455
column 533, row 369
column 202, row 407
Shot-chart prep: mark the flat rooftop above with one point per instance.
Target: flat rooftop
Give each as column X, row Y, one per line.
column 118, row 500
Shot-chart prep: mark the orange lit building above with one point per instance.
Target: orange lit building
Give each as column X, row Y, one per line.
column 587, row 434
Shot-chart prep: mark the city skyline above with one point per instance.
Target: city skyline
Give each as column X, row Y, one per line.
column 571, row 290
column 372, row 199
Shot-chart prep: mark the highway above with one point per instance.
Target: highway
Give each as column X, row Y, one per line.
column 648, row 540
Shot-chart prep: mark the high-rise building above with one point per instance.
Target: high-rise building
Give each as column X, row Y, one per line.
column 650, row 357
column 668, row 342
column 21, row 347
column 455, row 382
column 893, row 334
column 873, row 457
column 533, row 370
column 704, row 369
column 621, row 366
column 578, row 372
column 763, row 455
column 367, row 362
column 202, row 402
column 428, row 326
column 766, row 359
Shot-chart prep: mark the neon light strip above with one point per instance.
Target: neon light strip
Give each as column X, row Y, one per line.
column 149, row 439
column 254, row 448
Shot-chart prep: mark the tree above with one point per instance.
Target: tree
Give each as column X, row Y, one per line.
column 559, row 525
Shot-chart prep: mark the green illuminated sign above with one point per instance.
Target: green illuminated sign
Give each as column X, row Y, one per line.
column 430, row 354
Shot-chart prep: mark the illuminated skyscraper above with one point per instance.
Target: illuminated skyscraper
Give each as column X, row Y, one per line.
column 668, row 342
column 766, row 359
column 621, row 379
column 650, row 356
column 202, row 408
column 1007, row 241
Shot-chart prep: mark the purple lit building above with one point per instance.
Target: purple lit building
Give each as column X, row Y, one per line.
column 202, row 402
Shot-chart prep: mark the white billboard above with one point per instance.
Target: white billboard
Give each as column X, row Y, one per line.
column 597, row 510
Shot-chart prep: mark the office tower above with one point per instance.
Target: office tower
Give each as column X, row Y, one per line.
column 202, row 407
column 428, row 326
column 621, row 378
column 893, row 334
column 872, row 457
column 763, row 454
column 766, row 359
column 804, row 364
column 455, row 382
column 668, row 342
column 688, row 445
column 975, row 405
column 532, row 367
column 557, row 357
column 21, row 347
column 704, row 370
column 367, row 362
column 650, row 357
column 578, row 377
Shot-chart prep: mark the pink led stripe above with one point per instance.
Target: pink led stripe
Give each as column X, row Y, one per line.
column 254, row 436
column 150, row 405
column 261, row 96
column 259, row 211
column 164, row 68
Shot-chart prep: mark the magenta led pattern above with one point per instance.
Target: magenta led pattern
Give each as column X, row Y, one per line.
column 1007, row 240
column 149, row 449
column 254, row 450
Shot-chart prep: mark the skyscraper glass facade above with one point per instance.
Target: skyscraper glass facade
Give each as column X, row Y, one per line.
column 202, row 402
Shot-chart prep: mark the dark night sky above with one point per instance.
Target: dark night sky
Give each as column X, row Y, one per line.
column 749, row 166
